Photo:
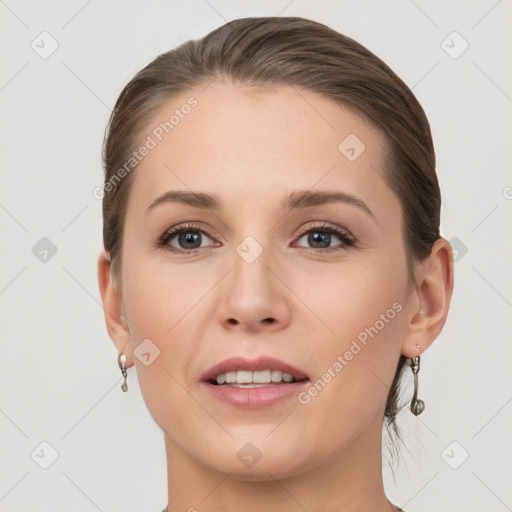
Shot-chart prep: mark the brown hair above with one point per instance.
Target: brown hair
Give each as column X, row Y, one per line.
column 306, row 54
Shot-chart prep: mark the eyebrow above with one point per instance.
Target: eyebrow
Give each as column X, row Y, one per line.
column 305, row 198
column 299, row 199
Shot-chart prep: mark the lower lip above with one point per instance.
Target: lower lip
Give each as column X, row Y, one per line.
column 255, row 398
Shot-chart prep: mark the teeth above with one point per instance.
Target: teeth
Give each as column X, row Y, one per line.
column 259, row 377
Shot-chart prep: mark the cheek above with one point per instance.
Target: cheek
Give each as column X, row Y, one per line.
column 347, row 298
column 157, row 294
column 363, row 319
column 157, row 313
column 166, row 305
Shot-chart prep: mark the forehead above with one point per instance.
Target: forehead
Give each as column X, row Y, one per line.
column 260, row 141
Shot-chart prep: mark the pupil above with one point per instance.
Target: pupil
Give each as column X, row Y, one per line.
column 189, row 238
column 318, row 237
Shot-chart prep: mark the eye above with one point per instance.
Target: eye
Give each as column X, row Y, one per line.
column 320, row 237
column 186, row 238
column 191, row 237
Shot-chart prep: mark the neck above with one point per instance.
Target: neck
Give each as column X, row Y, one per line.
column 351, row 481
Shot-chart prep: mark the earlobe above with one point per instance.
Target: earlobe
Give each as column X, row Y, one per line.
column 433, row 292
column 113, row 309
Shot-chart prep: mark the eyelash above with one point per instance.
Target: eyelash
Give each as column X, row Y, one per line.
column 346, row 238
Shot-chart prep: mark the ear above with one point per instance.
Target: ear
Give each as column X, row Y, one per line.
column 431, row 301
column 113, row 309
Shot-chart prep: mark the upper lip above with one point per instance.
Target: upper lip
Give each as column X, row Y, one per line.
column 253, row 365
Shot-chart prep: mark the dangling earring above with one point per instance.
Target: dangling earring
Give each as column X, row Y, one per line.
column 417, row 406
column 122, row 365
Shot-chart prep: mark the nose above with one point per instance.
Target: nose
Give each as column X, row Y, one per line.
column 254, row 296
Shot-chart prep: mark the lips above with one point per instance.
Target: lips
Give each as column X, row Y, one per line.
column 253, row 365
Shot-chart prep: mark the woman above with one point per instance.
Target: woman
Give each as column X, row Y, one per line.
column 273, row 262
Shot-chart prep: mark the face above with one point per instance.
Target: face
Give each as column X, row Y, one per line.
column 319, row 285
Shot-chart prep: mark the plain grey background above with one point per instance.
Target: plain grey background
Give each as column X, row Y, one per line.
column 71, row 440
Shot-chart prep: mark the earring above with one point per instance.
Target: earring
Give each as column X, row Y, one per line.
column 122, row 364
column 417, row 406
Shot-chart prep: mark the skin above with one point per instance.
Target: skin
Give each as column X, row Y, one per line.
column 252, row 147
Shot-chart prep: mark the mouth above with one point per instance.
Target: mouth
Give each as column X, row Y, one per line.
column 258, row 379
column 241, row 370
column 236, row 381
